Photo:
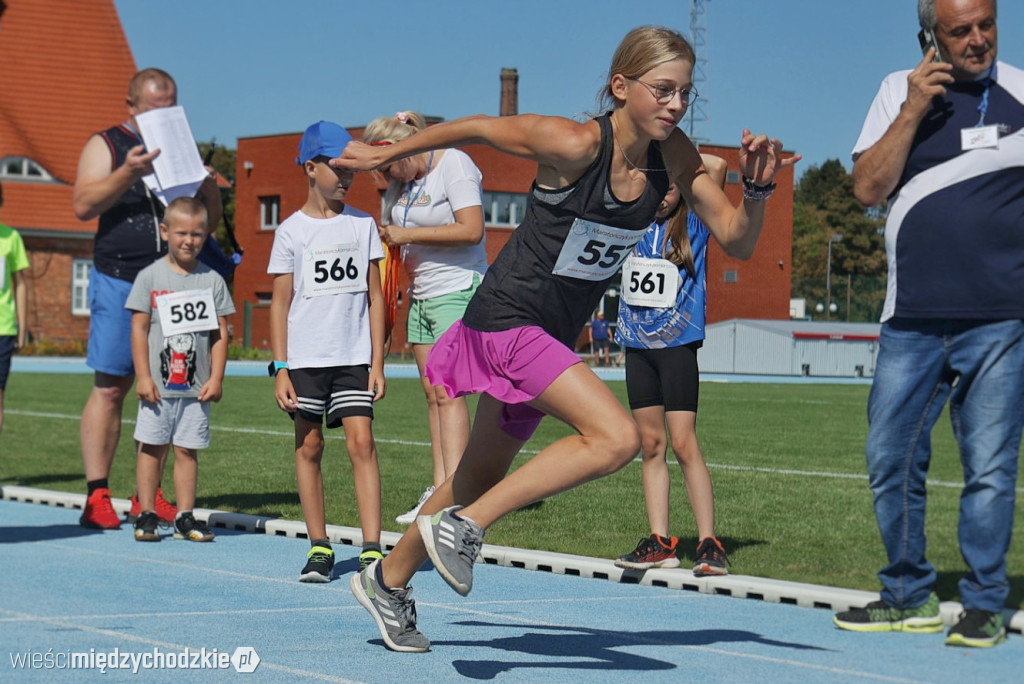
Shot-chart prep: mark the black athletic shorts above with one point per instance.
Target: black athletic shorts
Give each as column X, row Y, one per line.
column 338, row 391
column 666, row 377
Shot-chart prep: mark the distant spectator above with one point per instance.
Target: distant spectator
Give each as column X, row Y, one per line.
column 13, row 301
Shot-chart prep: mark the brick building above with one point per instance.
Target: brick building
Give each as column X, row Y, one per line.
column 66, row 67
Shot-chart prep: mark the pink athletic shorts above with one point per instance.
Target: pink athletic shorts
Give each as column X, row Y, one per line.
column 513, row 366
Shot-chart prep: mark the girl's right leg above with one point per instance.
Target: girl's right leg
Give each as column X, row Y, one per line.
column 682, row 428
column 656, row 478
column 420, row 352
column 309, row 451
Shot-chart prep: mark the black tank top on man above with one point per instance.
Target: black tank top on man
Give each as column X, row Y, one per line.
column 558, row 262
column 128, row 237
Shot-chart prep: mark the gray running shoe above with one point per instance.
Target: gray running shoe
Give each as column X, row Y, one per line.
column 392, row 610
column 452, row 544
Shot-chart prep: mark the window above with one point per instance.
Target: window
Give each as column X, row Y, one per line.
column 732, row 177
column 80, row 270
column 24, row 169
column 270, row 212
column 504, row 208
column 731, row 276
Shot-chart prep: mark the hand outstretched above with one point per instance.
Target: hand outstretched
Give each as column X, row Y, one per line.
column 760, row 157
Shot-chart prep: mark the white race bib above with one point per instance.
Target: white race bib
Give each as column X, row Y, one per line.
column 333, row 270
column 187, row 311
column 650, row 282
column 593, row 251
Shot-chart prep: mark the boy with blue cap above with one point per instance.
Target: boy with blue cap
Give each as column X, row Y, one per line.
column 327, row 336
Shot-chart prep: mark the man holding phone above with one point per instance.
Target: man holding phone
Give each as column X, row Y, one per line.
column 944, row 144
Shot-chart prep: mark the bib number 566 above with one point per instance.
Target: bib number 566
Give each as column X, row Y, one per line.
column 336, row 272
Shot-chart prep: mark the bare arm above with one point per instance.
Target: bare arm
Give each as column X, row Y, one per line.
column 213, row 389
column 280, row 303
column 565, row 147
column 878, row 169
column 736, row 229
column 21, row 306
column 377, row 383
column 145, row 388
column 97, row 188
column 467, row 230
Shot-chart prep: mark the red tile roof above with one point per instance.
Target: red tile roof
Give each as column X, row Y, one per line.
column 65, row 73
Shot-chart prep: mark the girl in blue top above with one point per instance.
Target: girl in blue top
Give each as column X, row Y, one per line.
column 661, row 327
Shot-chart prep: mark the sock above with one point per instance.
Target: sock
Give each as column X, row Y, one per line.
column 372, row 546
column 326, row 543
column 93, row 485
column 379, row 576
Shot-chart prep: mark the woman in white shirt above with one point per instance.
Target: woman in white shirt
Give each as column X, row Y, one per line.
column 433, row 212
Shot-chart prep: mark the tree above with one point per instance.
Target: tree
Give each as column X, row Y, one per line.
column 824, row 206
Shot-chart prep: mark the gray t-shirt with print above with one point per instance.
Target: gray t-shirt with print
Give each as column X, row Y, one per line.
column 179, row 363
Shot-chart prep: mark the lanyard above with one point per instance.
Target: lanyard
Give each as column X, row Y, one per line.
column 408, row 193
column 983, row 105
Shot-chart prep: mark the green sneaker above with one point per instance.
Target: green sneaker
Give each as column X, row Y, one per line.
column 319, row 564
column 878, row 616
column 978, row 629
column 366, row 558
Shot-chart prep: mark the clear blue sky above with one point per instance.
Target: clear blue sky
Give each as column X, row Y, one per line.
column 803, row 71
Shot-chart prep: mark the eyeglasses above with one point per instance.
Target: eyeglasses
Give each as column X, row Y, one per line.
column 663, row 95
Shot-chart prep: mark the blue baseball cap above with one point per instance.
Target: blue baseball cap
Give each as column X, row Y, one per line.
column 322, row 138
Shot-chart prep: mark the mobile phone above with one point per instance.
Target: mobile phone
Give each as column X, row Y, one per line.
column 926, row 38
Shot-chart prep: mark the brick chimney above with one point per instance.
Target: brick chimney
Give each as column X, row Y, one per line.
column 509, row 92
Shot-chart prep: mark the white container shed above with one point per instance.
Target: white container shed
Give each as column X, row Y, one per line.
column 769, row 347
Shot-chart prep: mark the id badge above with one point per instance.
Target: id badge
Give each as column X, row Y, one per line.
column 979, row 137
column 650, row 282
column 187, row 311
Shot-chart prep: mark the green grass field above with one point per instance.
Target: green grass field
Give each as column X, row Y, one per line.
column 787, row 461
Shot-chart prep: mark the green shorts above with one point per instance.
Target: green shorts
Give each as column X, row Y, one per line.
column 430, row 318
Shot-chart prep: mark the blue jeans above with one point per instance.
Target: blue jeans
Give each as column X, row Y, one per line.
column 979, row 367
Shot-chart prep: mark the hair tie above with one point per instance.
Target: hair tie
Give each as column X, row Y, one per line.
column 402, row 116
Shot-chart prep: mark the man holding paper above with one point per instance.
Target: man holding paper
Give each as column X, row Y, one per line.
column 110, row 186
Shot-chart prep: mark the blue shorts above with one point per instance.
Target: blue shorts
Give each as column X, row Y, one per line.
column 110, row 326
column 6, row 350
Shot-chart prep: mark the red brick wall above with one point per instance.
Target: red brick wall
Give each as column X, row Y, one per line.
column 49, row 288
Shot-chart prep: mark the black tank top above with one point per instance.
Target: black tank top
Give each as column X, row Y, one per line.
column 570, row 244
column 128, row 237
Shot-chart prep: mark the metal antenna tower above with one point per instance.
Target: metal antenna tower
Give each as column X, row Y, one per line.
column 698, row 112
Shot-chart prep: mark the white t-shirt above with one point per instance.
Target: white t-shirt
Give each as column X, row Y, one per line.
column 328, row 322
column 453, row 184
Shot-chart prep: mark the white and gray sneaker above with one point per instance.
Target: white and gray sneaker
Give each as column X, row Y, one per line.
column 452, row 544
column 409, row 516
column 392, row 610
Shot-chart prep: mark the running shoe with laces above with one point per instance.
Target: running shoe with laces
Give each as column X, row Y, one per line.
column 651, row 552
column 878, row 616
column 366, row 558
column 392, row 609
column 188, row 528
column 165, row 510
column 711, row 559
column 145, row 527
column 977, row 629
column 319, row 564
column 99, row 512
column 452, row 544
column 410, row 516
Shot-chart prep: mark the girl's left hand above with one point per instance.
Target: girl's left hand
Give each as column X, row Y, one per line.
column 760, row 157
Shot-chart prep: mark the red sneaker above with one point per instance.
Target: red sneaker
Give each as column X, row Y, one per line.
column 99, row 512
column 165, row 510
column 651, row 552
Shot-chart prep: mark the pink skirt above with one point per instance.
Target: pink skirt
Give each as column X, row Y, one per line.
column 513, row 366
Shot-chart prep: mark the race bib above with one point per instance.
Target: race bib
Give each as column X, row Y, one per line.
column 333, row 270
column 593, row 251
column 187, row 311
column 650, row 282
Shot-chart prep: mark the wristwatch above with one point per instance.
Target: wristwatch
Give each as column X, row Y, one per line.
column 275, row 366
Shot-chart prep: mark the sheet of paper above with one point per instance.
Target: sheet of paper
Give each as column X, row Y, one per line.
column 178, row 169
